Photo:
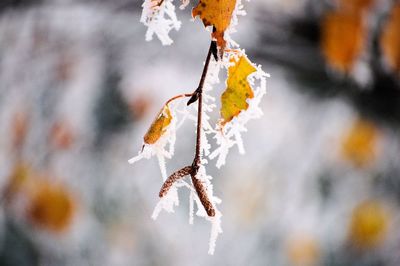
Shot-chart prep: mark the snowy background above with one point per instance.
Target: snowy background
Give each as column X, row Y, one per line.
column 79, row 86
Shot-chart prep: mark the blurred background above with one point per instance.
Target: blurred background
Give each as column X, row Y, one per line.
column 319, row 185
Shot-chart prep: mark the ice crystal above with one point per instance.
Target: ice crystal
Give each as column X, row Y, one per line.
column 215, row 221
column 239, row 11
column 160, row 19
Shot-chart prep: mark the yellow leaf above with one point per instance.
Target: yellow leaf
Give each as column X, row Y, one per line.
column 343, row 39
column 234, row 98
column 159, row 126
column 217, row 13
column 390, row 40
column 369, row 224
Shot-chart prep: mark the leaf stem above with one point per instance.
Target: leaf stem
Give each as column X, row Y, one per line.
column 178, row 97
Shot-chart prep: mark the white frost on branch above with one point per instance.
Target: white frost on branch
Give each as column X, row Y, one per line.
column 238, row 11
column 167, row 203
column 160, row 19
column 209, row 105
column 184, row 4
column 215, row 221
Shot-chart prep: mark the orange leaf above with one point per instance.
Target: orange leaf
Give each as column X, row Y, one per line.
column 343, row 37
column 234, row 98
column 217, row 13
column 159, row 126
column 356, row 5
column 390, row 40
column 52, row 207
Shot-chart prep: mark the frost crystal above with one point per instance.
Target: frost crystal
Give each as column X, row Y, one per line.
column 239, row 11
column 215, row 221
column 184, row 4
column 160, row 19
column 167, row 203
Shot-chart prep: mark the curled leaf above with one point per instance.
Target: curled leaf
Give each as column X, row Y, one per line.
column 159, row 126
column 217, row 13
column 234, row 98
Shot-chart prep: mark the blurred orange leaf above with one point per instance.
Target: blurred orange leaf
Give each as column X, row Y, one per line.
column 217, row 13
column 368, row 225
column 234, row 98
column 343, row 37
column 356, row 5
column 51, row 207
column 139, row 106
column 359, row 145
column 62, row 136
column 19, row 129
column 159, row 126
column 17, row 181
column 390, row 40
column 303, row 250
